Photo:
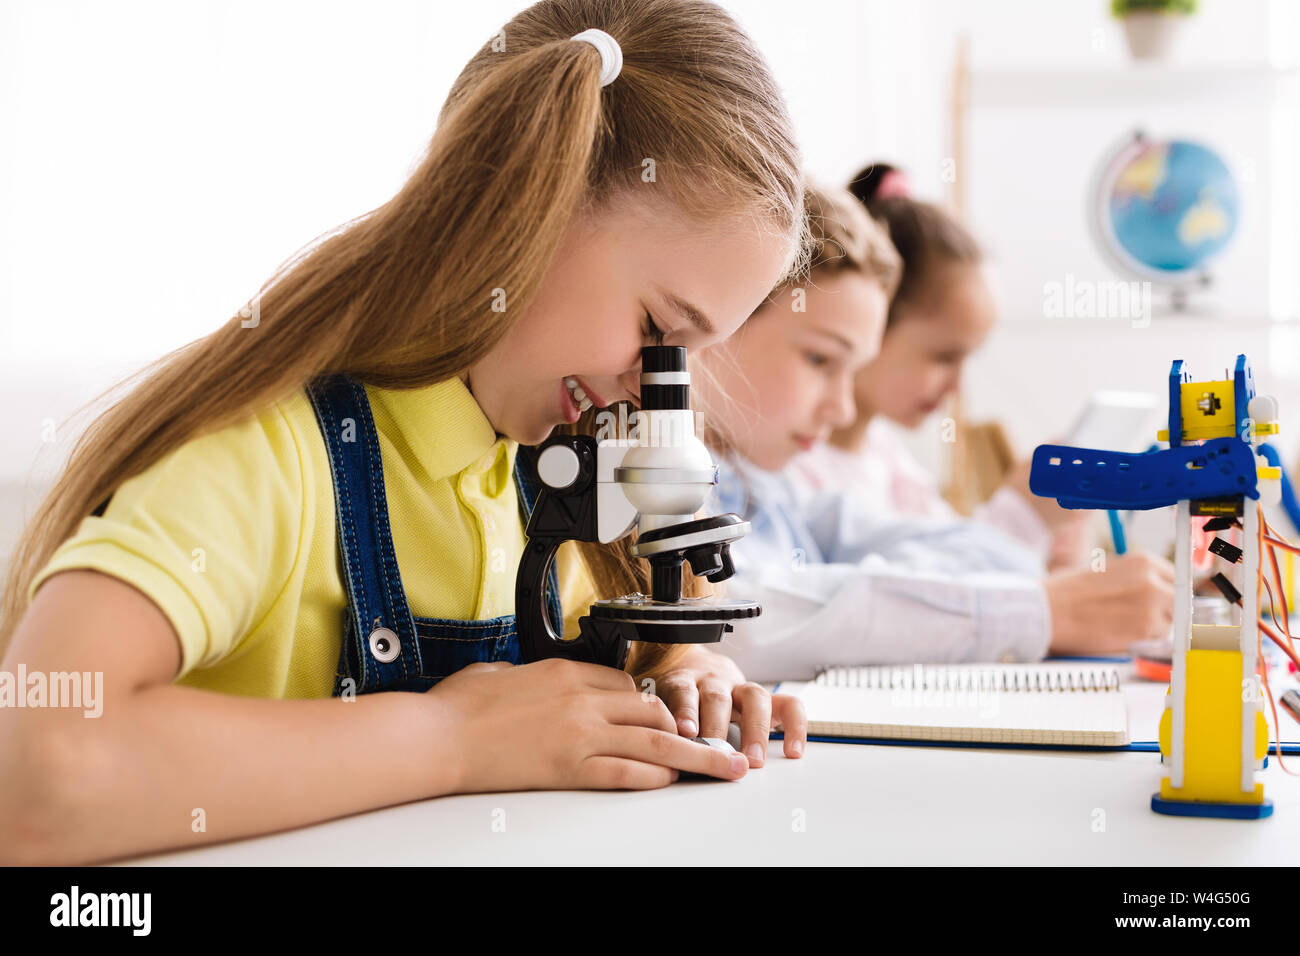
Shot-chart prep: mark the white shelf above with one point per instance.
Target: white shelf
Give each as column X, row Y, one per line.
column 1183, row 324
column 1136, row 84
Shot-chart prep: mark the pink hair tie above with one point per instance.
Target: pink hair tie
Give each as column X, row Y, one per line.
column 894, row 183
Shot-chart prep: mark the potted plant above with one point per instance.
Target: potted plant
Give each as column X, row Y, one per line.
column 1150, row 25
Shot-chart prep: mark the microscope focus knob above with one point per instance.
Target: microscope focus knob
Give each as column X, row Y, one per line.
column 705, row 562
column 558, row 466
column 712, row 562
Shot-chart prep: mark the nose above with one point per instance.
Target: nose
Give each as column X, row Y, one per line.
column 630, row 382
column 954, row 380
column 841, row 409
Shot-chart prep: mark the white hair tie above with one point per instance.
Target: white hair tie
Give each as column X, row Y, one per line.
column 611, row 54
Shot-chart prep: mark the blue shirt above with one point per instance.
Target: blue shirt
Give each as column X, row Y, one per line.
column 843, row 585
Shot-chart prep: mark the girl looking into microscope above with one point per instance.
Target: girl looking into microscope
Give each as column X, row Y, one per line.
column 218, row 549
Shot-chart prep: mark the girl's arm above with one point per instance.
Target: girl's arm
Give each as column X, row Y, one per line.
column 847, row 530
column 818, row 615
column 842, row 585
column 167, row 767
column 878, row 612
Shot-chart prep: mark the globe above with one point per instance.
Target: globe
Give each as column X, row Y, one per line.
column 1163, row 209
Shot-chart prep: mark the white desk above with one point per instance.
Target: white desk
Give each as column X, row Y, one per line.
column 861, row 805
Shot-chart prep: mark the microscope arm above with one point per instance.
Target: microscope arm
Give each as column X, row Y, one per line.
column 565, row 511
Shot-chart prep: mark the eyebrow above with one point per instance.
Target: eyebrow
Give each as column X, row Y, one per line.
column 689, row 312
column 848, row 346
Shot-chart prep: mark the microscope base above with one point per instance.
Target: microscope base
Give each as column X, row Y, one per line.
column 612, row 625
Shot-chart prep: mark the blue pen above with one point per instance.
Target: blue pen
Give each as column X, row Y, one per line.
column 1117, row 532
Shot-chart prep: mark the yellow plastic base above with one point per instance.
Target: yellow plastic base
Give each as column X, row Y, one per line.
column 1212, row 733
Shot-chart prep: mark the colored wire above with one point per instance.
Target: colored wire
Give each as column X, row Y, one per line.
column 1277, row 579
column 1288, row 648
column 1285, row 546
column 1273, row 636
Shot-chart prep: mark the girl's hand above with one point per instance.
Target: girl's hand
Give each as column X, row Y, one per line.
column 1102, row 612
column 706, row 691
column 560, row 725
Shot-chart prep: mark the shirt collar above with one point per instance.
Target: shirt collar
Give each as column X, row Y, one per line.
column 441, row 424
column 768, row 481
column 746, row 488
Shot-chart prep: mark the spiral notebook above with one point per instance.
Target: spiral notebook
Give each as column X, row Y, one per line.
column 1048, row 704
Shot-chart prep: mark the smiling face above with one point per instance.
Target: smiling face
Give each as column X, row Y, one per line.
column 629, row 275
column 786, row 378
column 921, row 357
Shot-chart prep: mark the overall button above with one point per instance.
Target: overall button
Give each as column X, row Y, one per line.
column 385, row 645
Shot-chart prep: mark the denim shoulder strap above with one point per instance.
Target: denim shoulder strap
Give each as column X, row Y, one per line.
column 370, row 574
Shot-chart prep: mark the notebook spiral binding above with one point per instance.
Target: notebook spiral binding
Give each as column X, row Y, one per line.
column 1008, row 678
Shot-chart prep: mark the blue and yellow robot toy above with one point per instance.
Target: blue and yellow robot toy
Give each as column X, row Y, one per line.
column 1213, row 735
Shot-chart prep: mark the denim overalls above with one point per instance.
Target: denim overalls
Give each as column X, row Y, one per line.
column 384, row 647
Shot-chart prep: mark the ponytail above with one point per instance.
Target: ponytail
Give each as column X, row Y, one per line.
column 926, row 237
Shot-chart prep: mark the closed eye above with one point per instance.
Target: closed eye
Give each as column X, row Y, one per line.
column 816, row 359
column 653, row 332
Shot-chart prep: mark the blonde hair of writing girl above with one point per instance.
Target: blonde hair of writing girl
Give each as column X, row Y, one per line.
column 841, row 236
column 400, row 297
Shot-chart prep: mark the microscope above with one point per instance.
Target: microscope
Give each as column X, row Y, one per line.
column 655, row 480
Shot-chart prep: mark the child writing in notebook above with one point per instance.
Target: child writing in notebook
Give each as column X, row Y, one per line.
column 320, row 497
column 942, row 312
column 844, row 580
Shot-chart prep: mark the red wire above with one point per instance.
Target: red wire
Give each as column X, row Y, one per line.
column 1279, row 543
column 1262, row 628
column 1277, row 579
column 1273, row 636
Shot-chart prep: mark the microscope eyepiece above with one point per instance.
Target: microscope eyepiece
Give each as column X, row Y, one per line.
column 663, row 358
column 665, row 383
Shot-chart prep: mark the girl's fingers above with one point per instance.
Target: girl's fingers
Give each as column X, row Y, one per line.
column 618, row 773
column 671, row 750
column 679, row 693
column 789, row 712
column 636, row 710
column 755, row 706
column 715, row 707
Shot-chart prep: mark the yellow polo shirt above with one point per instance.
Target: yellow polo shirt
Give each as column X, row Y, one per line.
column 233, row 536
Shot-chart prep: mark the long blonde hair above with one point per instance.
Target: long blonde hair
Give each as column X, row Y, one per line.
column 401, row 297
